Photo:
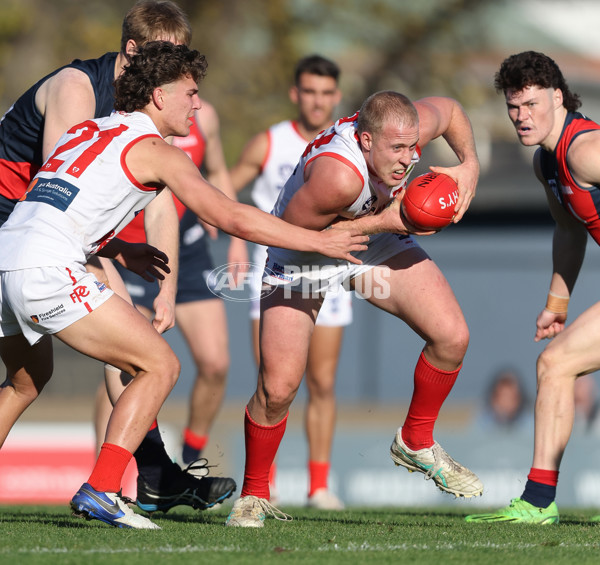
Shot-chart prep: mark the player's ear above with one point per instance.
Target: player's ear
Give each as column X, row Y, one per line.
column 131, row 48
column 293, row 94
column 158, row 97
column 557, row 97
column 366, row 140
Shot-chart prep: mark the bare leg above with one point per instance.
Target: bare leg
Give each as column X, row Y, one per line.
column 286, row 329
column 572, row 353
column 287, row 326
column 114, row 382
column 102, row 411
column 204, row 326
column 321, row 370
column 416, row 291
column 121, row 336
column 28, row 369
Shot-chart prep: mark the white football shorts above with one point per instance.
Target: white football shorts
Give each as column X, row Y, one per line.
column 310, row 272
column 45, row 300
column 336, row 310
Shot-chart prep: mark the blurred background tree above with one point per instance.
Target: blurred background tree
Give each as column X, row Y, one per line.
column 415, row 47
column 442, row 47
column 252, row 45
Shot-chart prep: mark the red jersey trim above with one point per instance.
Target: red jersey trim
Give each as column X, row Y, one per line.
column 295, row 127
column 342, row 160
column 126, row 170
column 268, row 152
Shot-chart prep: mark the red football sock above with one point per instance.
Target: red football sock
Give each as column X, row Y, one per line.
column 543, row 476
column 432, row 387
column 272, row 475
column 109, row 469
column 318, row 472
column 262, row 443
column 193, row 440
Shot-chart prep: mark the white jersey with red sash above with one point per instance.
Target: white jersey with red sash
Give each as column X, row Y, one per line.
column 82, row 196
column 340, row 141
column 285, row 266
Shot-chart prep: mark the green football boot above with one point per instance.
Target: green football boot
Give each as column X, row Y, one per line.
column 519, row 511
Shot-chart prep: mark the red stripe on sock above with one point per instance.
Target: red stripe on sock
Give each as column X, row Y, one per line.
column 543, row 476
column 193, row 440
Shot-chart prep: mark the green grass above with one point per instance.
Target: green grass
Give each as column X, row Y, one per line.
column 49, row 534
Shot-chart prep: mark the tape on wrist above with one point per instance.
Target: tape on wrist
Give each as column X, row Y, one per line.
column 557, row 304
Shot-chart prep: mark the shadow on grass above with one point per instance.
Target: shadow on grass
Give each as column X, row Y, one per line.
column 63, row 517
column 382, row 516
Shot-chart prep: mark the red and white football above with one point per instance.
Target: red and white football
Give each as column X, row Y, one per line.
column 429, row 201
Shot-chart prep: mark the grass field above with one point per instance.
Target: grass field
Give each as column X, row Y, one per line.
column 49, row 534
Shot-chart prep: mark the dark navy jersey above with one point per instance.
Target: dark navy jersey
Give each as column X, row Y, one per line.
column 22, row 127
column 583, row 203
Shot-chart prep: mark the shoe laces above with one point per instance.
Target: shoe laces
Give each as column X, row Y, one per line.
column 268, row 508
column 125, row 503
column 125, row 499
column 514, row 502
column 440, row 456
column 199, row 468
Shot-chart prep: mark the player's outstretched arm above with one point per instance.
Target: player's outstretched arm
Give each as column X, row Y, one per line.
column 388, row 220
column 150, row 162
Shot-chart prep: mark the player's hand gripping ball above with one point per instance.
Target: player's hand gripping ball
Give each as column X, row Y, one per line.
column 429, row 201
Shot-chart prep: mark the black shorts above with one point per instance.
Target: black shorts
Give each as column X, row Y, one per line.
column 195, row 264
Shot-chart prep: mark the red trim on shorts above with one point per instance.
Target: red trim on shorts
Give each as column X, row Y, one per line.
column 73, row 279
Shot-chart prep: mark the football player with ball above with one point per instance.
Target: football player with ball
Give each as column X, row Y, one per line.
column 354, row 170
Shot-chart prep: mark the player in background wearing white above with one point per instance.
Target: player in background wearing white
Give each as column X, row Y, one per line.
column 73, row 208
column 200, row 315
column 543, row 111
column 355, row 170
column 28, row 132
column 269, row 159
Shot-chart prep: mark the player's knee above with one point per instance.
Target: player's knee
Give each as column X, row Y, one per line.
column 278, row 396
column 453, row 344
column 319, row 387
column 460, row 337
column 169, row 368
column 214, row 371
column 29, row 389
column 547, row 366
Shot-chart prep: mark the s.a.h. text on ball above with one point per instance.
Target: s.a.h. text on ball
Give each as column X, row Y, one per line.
column 429, row 201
